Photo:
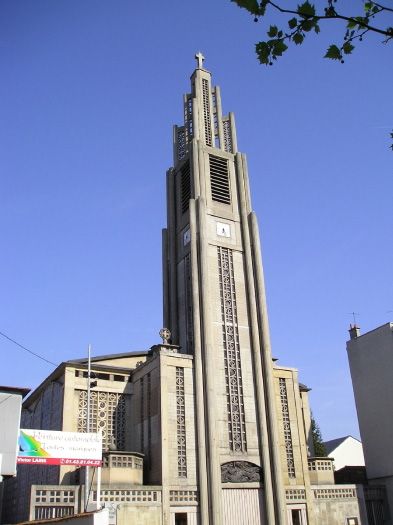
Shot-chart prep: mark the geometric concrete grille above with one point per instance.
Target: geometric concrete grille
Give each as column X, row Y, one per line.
column 287, row 428
column 227, row 136
column 206, row 112
column 107, row 413
column 230, row 334
column 181, row 424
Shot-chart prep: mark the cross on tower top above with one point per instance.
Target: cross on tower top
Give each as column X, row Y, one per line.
column 200, row 58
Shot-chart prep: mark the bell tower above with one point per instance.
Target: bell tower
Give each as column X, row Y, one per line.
column 215, row 306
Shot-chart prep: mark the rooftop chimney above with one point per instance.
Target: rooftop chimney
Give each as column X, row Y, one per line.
column 354, row 331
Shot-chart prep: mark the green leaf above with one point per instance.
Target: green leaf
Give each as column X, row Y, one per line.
column 279, row 47
column 361, row 20
column 263, row 51
column 307, row 25
column 333, row 52
column 292, row 23
column 272, row 31
column 317, row 29
column 351, row 24
column 298, row 38
column 251, row 5
column 368, row 6
column 348, row 48
column 330, row 11
column 306, row 9
column 280, row 34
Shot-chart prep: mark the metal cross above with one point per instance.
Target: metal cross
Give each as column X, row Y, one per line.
column 165, row 335
column 200, row 58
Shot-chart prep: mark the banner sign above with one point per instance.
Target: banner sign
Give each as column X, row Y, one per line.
column 50, row 447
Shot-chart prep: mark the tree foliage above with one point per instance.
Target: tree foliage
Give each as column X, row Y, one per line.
column 304, row 19
column 319, row 447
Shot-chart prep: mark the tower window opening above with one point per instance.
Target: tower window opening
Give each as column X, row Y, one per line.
column 219, row 179
column 185, row 186
column 206, row 112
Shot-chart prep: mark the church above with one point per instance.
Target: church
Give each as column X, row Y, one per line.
column 205, row 427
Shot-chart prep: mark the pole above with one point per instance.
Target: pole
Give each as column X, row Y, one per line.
column 87, row 488
column 98, row 488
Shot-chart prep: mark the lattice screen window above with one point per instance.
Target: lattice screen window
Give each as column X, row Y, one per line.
column 185, row 186
column 287, row 428
column 219, row 179
column 181, row 143
column 206, row 112
column 188, row 123
column 228, row 146
column 188, row 289
column 107, row 413
column 233, row 371
column 142, row 413
column 181, row 424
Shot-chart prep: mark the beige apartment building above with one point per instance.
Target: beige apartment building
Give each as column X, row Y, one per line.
column 204, row 428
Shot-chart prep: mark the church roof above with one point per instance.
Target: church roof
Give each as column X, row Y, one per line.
column 110, row 356
column 334, row 443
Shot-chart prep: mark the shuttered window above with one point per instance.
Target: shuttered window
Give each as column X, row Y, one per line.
column 185, row 185
column 219, row 179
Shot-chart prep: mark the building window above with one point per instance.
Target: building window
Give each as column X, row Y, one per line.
column 219, row 179
column 107, row 413
column 181, row 518
column 230, row 336
column 181, row 424
column 287, row 428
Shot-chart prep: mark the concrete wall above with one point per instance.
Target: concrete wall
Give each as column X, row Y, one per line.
column 371, row 364
column 130, row 514
column 10, row 407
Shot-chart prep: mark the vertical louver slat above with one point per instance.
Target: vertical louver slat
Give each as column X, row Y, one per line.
column 185, row 186
column 219, row 179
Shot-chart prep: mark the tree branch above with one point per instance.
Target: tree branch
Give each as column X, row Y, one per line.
column 336, row 16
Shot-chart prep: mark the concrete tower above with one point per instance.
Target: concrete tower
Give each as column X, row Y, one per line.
column 215, row 307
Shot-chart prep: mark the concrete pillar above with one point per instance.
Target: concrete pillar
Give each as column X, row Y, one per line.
column 198, row 373
column 209, row 373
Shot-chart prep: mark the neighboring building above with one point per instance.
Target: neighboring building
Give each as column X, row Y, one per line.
column 10, row 411
column 346, row 452
column 371, row 363
column 203, row 428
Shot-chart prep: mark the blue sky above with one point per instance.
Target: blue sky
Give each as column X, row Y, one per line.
column 89, row 93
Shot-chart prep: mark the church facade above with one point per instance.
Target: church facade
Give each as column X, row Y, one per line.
column 204, row 428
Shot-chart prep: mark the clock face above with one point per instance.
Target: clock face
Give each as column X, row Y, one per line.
column 186, row 237
column 223, row 230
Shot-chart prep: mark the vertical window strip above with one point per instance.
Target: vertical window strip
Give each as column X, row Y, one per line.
column 181, row 424
column 149, row 419
column 142, row 414
column 230, row 333
column 227, row 135
column 185, row 186
column 287, row 428
column 188, row 297
column 188, row 121
column 206, row 112
column 181, row 143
